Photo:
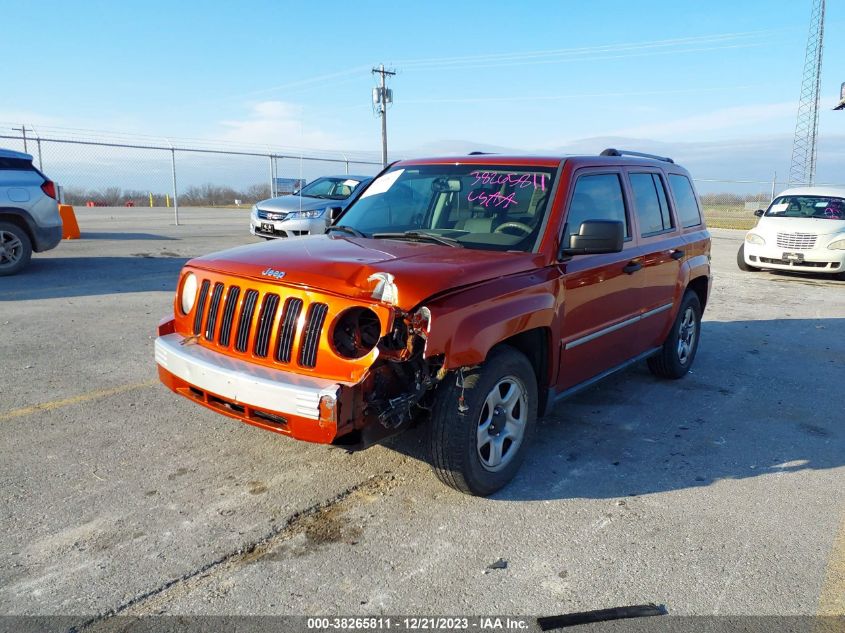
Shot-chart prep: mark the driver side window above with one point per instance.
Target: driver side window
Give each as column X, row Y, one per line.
column 596, row 197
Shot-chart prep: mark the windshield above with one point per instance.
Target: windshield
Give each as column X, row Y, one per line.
column 330, row 188
column 477, row 206
column 823, row 207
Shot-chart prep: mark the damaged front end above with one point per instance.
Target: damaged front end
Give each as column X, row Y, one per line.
column 398, row 389
column 315, row 365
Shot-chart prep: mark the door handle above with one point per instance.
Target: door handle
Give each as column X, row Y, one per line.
column 632, row 267
column 677, row 254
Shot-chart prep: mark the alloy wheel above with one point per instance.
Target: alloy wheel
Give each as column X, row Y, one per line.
column 501, row 425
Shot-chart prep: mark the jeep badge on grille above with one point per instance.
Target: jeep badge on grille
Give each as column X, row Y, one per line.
column 276, row 274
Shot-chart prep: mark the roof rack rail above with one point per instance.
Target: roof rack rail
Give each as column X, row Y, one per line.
column 624, row 152
column 477, row 153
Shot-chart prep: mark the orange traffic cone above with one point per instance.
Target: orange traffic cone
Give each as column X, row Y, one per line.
column 70, row 228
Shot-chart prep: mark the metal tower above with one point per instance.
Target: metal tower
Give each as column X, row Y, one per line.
column 803, row 168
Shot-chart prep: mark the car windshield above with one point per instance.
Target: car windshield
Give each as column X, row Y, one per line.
column 330, row 188
column 823, row 207
column 475, row 206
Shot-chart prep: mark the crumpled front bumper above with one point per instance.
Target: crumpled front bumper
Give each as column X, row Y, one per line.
column 304, row 407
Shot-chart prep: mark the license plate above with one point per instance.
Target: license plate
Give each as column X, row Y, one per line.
column 793, row 257
column 266, row 227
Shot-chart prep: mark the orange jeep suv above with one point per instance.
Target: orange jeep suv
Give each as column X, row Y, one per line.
column 472, row 293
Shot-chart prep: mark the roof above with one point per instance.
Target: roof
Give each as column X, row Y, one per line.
column 838, row 192
column 10, row 153
column 538, row 160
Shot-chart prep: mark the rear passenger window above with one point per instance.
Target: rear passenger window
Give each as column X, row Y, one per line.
column 650, row 201
column 596, row 197
column 16, row 164
column 685, row 202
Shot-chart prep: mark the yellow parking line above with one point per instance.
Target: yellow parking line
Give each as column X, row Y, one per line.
column 832, row 596
column 85, row 397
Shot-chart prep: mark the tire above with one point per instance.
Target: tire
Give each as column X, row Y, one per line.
column 15, row 249
column 674, row 359
column 500, row 397
column 740, row 261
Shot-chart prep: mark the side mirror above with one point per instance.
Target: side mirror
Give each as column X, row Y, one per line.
column 759, row 213
column 595, row 237
column 334, row 213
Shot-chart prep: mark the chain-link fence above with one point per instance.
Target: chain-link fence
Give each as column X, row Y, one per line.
column 730, row 204
column 108, row 169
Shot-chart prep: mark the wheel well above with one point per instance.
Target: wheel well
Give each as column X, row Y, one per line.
column 535, row 345
column 699, row 286
column 19, row 222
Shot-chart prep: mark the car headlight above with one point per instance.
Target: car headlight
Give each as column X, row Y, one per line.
column 189, row 293
column 753, row 238
column 306, row 215
column 838, row 245
column 254, row 211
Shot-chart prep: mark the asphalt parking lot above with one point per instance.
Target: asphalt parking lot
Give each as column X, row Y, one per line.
column 722, row 493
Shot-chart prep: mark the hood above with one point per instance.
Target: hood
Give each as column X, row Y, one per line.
column 816, row 226
column 292, row 203
column 342, row 265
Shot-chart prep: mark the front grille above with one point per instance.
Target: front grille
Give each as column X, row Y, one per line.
column 228, row 316
column 265, row 323
column 785, row 262
column 201, row 306
column 292, row 309
column 277, row 215
column 245, row 321
column 797, row 241
column 311, row 338
column 211, row 322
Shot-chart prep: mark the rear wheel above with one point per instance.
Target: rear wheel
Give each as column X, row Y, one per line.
column 678, row 352
column 479, row 431
column 15, row 248
column 740, row 261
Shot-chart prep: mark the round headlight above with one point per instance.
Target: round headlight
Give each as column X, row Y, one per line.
column 753, row 238
column 356, row 333
column 189, row 293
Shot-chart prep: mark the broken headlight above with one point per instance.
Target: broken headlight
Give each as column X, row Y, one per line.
column 356, row 332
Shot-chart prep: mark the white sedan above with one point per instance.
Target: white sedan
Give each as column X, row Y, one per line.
column 803, row 230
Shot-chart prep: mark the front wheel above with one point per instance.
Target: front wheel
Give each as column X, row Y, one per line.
column 678, row 352
column 480, row 426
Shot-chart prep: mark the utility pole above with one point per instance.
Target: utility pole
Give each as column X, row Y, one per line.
column 381, row 97
column 803, row 168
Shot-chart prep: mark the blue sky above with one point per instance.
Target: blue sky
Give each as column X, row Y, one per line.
column 528, row 76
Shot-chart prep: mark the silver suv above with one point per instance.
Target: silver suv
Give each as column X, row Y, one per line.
column 29, row 213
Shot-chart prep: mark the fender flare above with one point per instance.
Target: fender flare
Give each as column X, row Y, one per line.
column 24, row 217
column 465, row 334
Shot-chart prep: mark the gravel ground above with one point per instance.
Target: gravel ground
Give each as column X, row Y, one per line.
column 722, row 493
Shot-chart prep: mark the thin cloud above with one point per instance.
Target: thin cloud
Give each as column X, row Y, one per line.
column 738, row 117
column 578, row 52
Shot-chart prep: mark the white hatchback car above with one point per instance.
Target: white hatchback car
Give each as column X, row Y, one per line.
column 803, row 230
